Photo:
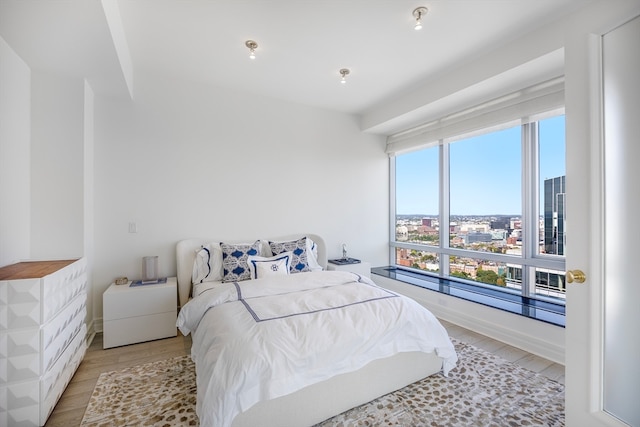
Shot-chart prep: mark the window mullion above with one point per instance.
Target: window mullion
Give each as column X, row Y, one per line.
column 392, row 208
column 444, row 218
column 530, row 218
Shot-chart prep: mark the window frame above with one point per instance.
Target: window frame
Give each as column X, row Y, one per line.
column 530, row 258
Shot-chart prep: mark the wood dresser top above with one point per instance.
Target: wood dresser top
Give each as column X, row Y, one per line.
column 32, row 269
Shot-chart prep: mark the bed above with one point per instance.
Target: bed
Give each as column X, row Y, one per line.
column 294, row 344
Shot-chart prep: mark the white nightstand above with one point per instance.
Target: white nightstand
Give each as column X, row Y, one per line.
column 139, row 313
column 362, row 268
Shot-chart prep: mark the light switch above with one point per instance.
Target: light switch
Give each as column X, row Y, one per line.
column 133, row 227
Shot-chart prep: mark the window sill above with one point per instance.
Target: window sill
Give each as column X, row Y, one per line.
column 543, row 311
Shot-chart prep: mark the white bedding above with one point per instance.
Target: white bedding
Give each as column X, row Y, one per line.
column 260, row 339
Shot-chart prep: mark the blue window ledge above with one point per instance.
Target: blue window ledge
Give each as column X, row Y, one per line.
column 543, row 311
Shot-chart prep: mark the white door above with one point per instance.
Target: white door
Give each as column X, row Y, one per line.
column 603, row 234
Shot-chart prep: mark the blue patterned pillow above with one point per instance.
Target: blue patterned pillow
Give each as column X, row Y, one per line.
column 299, row 260
column 234, row 260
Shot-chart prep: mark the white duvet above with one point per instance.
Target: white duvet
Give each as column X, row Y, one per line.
column 260, row 339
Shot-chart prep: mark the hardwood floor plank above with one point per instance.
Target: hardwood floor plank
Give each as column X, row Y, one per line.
column 534, row 363
column 510, row 353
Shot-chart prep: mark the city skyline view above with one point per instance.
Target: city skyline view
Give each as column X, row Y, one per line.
column 485, row 173
column 485, row 187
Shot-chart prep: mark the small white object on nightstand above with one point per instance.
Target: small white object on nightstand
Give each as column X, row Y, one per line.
column 140, row 313
column 362, row 268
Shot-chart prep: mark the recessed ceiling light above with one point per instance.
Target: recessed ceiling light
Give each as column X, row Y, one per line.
column 344, row 72
column 418, row 13
column 252, row 48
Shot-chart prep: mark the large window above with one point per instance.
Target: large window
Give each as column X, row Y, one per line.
column 486, row 209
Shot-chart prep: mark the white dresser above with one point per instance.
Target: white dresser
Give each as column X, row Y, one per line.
column 42, row 336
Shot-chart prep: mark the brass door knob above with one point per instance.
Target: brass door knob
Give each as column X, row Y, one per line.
column 576, row 276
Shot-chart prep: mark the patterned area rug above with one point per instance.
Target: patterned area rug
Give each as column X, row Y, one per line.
column 483, row 390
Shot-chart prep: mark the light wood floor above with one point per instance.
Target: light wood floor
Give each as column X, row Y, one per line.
column 70, row 409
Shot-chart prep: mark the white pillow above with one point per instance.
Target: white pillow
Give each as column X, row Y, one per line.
column 207, row 267
column 269, row 266
column 312, row 249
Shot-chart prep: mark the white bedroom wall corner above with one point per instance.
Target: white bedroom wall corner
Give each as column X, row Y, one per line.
column 88, row 195
column 15, row 152
column 56, row 166
column 116, row 28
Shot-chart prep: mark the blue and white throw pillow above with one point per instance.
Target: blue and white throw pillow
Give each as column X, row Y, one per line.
column 234, row 260
column 269, row 266
column 299, row 261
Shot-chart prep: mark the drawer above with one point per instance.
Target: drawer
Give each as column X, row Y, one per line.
column 139, row 329
column 19, row 355
column 19, row 304
column 54, row 382
column 59, row 288
column 60, row 331
column 120, row 302
column 20, row 404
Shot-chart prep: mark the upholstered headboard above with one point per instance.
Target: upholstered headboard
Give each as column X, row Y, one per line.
column 186, row 255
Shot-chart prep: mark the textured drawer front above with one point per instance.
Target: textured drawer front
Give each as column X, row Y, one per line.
column 49, row 402
column 140, row 301
column 139, row 329
column 19, row 404
column 61, row 287
column 19, row 304
column 19, row 355
column 56, row 379
column 58, row 333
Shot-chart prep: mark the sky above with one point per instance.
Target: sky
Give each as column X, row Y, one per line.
column 485, row 172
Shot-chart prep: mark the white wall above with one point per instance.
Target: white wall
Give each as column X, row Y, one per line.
column 15, row 135
column 57, row 105
column 184, row 160
column 88, row 207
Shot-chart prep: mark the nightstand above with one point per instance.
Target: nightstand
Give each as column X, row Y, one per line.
column 133, row 314
column 362, row 268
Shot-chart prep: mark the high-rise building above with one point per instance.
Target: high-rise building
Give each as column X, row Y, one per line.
column 554, row 198
column 501, row 223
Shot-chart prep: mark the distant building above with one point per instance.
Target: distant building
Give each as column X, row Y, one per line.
column 501, row 223
column 512, row 240
column 427, row 221
column 474, row 228
column 554, row 198
column 426, row 230
column 499, row 234
column 476, row 237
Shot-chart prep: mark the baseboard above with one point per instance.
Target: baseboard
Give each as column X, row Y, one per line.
column 534, row 336
column 95, row 326
column 91, row 332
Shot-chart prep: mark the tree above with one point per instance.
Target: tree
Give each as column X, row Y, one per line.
column 460, row 274
column 486, row 276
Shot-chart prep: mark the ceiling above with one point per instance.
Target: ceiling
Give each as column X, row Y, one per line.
column 302, row 43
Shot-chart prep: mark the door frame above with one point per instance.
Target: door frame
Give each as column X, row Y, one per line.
column 584, row 403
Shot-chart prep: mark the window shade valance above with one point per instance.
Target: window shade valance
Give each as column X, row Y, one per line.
column 517, row 106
